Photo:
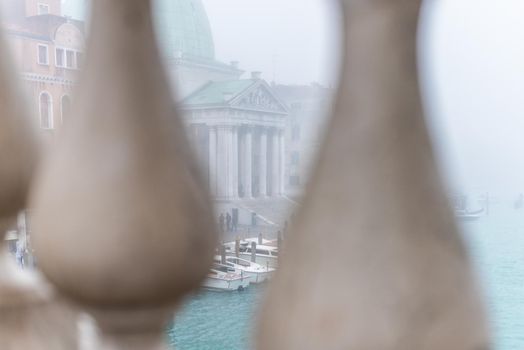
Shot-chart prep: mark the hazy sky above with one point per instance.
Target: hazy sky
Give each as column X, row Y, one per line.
column 291, row 41
column 472, row 64
column 472, row 55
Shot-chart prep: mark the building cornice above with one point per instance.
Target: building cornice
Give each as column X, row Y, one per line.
column 42, row 78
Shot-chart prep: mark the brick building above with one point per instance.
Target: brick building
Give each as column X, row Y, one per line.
column 48, row 49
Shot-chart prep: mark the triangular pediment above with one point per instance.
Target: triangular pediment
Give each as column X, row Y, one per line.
column 259, row 97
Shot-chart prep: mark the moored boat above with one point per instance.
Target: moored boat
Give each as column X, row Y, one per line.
column 257, row 273
column 248, row 249
column 225, row 278
column 469, row 215
column 264, row 255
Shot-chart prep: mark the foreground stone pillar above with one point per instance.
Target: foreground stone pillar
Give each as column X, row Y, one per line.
column 120, row 205
column 32, row 317
column 374, row 260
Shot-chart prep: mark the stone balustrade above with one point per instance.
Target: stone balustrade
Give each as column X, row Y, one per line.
column 374, row 259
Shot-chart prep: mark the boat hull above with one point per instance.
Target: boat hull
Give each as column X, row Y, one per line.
column 266, row 261
column 259, row 277
column 219, row 284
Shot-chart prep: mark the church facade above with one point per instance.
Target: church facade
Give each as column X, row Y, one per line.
column 236, row 125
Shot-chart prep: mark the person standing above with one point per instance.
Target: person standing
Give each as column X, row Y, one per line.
column 228, row 222
column 235, row 223
column 19, row 254
column 221, row 222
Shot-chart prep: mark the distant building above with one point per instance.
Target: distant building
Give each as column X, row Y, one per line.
column 187, row 42
column 309, row 107
column 238, row 129
column 49, row 50
column 230, row 119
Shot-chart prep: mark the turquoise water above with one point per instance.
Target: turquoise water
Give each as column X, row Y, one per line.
column 216, row 320
column 496, row 245
column 223, row 321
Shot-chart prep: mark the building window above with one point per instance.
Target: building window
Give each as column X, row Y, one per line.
column 295, row 133
column 59, row 57
column 79, row 60
column 66, row 108
column 43, row 54
column 295, row 158
column 294, row 180
column 70, row 59
column 46, row 111
column 43, row 9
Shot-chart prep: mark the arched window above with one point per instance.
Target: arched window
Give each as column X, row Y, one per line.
column 46, row 111
column 66, row 108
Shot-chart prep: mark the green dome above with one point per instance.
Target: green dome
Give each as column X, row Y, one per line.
column 182, row 26
column 183, row 29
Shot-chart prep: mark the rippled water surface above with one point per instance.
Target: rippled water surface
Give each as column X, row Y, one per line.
column 216, row 320
column 497, row 247
column 223, row 321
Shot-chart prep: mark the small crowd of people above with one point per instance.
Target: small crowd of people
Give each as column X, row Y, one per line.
column 228, row 223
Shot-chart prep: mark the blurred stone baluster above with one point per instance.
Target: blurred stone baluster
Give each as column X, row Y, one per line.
column 123, row 222
column 31, row 315
column 374, row 260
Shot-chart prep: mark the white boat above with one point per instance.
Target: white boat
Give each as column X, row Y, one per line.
column 264, row 255
column 256, row 272
column 225, row 278
column 268, row 242
column 466, row 215
column 462, row 210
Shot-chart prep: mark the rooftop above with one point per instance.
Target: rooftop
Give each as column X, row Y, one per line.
column 218, row 93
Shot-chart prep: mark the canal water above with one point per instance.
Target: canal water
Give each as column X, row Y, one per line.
column 496, row 245
column 216, row 320
column 224, row 321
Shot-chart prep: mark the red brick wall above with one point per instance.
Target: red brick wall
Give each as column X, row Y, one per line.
column 31, row 7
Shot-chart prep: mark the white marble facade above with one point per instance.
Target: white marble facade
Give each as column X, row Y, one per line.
column 238, row 130
column 242, row 161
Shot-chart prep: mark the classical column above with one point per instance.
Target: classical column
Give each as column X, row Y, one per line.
column 263, row 163
column 222, row 163
column 234, row 162
column 241, row 152
column 247, row 162
column 213, row 161
column 282, row 151
column 228, row 162
column 275, row 163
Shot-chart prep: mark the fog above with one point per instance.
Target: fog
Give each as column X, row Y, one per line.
column 291, row 42
column 471, row 63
